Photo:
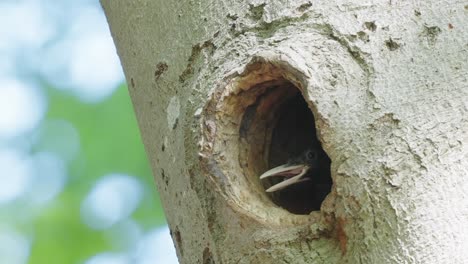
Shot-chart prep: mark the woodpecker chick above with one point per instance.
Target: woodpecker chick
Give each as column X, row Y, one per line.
column 305, row 167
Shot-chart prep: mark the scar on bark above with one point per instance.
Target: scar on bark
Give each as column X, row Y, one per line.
column 341, row 234
column 160, row 69
column 208, row 256
column 392, row 44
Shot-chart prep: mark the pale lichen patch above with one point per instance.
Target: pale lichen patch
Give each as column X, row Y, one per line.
column 173, row 112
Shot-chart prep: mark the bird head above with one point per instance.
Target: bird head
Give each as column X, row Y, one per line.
column 294, row 170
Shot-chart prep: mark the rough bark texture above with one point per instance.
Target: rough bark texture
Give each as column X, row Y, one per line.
column 387, row 83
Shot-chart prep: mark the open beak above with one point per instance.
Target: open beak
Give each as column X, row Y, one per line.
column 292, row 173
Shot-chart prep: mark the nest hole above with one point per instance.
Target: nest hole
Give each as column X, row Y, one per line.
column 277, row 126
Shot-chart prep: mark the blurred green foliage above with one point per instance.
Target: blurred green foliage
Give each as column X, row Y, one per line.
column 109, row 143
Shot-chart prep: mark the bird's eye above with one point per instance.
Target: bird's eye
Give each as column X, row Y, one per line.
column 311, row 155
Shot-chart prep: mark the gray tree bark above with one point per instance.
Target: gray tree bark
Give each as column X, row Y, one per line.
column 386, row 82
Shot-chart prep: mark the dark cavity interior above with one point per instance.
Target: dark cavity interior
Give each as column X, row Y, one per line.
column 276, row 126
column 293, row 133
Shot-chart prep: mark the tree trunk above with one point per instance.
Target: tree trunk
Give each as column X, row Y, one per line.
column 217, row 88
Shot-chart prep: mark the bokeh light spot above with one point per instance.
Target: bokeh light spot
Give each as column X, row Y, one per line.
column 95, row 68
column 49, row 177
column 113, row 198
column 21, row 108
column 15, row 175
column 156, row 247
column 86, row 60
column 14, row 248
column 23, row 24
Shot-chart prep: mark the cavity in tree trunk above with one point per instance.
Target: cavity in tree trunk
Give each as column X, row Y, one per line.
column 225, row 90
